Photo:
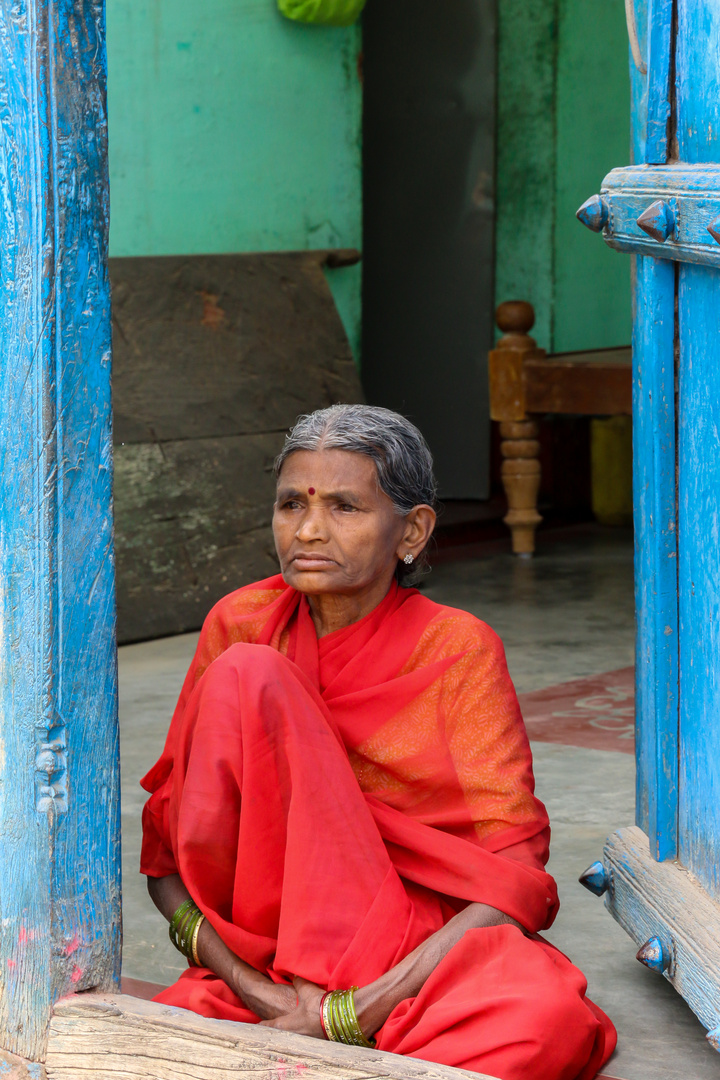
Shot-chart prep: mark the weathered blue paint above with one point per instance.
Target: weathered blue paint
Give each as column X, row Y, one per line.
column 639, row 86
column 676, row 423
column 698, row 331
column 596, row 878
column 690, row 192
column 650, row 89
column 698, row 80
column 651, row 899
column 636, row 52
column 699, row 571
column 713, row 1037
column 654, row 495
column 59, row 821
column 593, row 213
column 659, row 46
column 658, row 220
column 654, row 955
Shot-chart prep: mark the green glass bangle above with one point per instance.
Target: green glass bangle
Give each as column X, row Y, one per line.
column 181, row 933
column 183, row 925
column 346, row 1021
column 339, row 1018
column 333, row 1016
column 181, row 911
column 360, row 1037
column 327, row 1024
column 187, row 932
column 176, row 920
column 333, row 1020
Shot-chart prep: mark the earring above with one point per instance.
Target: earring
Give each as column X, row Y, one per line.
column 409, row 559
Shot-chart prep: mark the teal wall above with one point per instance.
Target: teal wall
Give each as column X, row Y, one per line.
column 592, row 283
column 563, row 123
column 233, row 130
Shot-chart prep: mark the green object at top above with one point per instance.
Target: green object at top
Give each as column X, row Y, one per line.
column 322, row 12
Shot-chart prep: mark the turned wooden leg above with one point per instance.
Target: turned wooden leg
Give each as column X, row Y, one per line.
column 521, row 480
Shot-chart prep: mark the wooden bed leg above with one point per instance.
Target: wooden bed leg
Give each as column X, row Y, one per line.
column 519, row 447
column 521, row 479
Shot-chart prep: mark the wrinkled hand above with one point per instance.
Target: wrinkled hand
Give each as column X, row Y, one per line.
column 304, row 1018
column 264, row 997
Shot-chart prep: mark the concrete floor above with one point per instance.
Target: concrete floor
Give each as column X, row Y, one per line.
column 565, row 615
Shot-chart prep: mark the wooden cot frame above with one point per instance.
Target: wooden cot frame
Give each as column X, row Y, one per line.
column 526, row 383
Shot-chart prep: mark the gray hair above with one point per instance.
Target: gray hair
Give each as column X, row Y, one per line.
column 402, row 457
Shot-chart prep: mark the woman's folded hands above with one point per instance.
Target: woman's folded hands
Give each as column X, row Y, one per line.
column 375, row 1001
column 298, row 1007
column 304, row 1017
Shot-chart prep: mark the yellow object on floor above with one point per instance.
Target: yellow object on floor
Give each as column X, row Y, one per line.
column 611, row 469
column 322, row 12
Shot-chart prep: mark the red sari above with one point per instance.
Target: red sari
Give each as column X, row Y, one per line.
column 330, row 804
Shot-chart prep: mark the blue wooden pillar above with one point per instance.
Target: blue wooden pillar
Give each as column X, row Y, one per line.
column 59, row 771
column 662, row 879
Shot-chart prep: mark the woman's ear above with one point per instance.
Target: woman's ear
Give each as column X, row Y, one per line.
column 419, row 525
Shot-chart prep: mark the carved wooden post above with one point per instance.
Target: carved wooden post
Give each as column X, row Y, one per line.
column 59, row 822
column 519, row 447
column 521, row 479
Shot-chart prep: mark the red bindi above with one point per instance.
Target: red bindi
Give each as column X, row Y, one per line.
column 311, row 491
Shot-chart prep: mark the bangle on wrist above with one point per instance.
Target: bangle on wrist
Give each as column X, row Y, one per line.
column 184, row 928
column 324, row 1024
column 194, row 941
column 338, row 1018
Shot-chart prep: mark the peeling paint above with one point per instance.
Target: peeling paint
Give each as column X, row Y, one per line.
column 57, row 657
column 73, row 945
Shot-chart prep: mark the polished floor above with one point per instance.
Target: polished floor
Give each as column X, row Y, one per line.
column 565, row 615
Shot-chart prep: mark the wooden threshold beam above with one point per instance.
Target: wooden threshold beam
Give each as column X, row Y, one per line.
column 663, row 901
column 96, row 1036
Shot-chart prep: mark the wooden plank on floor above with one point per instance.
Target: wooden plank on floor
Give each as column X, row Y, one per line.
column 662, row 899
column 95, row 1036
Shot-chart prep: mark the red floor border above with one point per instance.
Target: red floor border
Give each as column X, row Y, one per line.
column 597, row 713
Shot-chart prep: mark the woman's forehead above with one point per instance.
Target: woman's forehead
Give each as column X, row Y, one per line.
column 323, row 469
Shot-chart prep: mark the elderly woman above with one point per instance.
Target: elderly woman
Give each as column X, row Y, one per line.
column 342, row 830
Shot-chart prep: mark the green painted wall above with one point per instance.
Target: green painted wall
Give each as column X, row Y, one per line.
column 525, row 200
column 563, row 123
column 233, row 130
column 592, row 306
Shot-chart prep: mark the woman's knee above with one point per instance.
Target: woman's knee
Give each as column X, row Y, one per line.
column 264, row 690
column 258, row 666
column 558, row 1036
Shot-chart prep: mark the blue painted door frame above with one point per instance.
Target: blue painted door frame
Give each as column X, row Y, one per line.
column 59, row 769
column 665, row 211
column 654, row 457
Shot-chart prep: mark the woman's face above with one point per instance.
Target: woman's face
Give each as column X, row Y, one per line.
column 336, row 531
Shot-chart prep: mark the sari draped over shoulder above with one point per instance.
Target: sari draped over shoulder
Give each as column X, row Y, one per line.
column 331, row 803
